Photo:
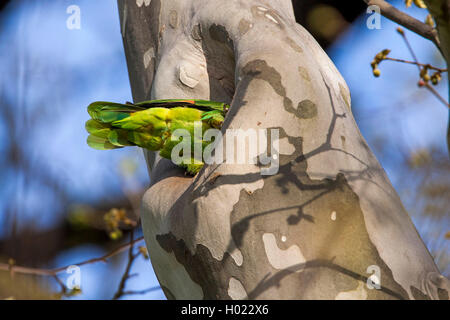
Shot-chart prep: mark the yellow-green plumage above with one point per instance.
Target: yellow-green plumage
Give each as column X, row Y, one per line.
column 150, row 124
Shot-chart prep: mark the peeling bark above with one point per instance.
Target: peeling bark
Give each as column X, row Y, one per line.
column 316, row 228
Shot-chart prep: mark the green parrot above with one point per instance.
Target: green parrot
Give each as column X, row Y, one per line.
column 150, row 124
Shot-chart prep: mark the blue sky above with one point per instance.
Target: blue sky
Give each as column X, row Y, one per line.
column 67, row 69
column 397, row 84
column 43, row 62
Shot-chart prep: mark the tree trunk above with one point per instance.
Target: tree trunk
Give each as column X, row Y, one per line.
column 320, row 227
column 440, row 10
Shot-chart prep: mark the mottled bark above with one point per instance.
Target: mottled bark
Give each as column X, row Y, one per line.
column 317, row 228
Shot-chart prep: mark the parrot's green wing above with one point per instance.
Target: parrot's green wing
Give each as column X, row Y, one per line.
column 150, row 124
column 107, row 112
column 204, row 105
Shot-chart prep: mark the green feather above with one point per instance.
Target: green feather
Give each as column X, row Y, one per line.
column 97, row 128
column 119, row 138
column 100, row 143
column 150, row 124
column 107, row 112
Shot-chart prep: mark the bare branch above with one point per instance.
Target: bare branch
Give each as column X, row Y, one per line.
column 419, row 66
column 140, row 292
column 126, row 275
column 437, row 95
column 53, row 272
column 405, row 20
column 416, row 63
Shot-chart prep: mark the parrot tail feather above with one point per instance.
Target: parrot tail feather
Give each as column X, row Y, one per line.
column 100, row 143
column 103, row 136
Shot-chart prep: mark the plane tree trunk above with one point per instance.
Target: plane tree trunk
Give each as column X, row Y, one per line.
column 440, row 10
column 320, row 227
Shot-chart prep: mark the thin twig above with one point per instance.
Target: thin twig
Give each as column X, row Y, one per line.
column 405, row 20
column 53, row 272
column 416, row 63
column 413, row 54
column 419, row 65
column 126, row 274
column 437, row 95
column 140, row 292
column 61, row 284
